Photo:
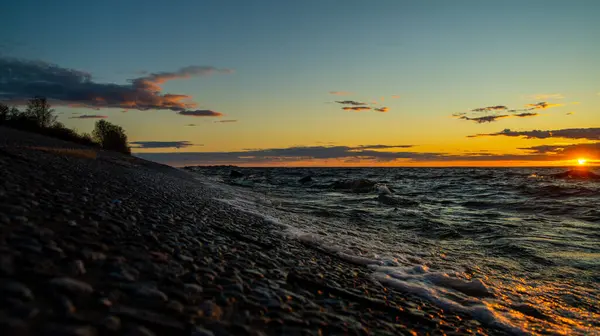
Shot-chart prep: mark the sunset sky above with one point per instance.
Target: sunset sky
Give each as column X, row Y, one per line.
column 321, row 83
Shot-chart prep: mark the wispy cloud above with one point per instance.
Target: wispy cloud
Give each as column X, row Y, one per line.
column 490, row 108
column 395, row 96
column 381, row 109
column 226, row 121
column 340, row 93
column 551, row 96
column 350, row 102
column 89, row 116
column 161, row 144
column 496, row 112
column 200, row 113
column 485, row 119
column 542, row 105
column 191, row 125
column 568, row 133
column 356, row 108
column 21, row 79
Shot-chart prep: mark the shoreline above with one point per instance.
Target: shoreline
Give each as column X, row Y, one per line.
column 114, row 244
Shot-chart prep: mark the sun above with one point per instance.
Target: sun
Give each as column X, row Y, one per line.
column 581, row 161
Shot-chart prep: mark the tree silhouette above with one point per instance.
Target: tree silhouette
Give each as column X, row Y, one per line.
column 111, row 137
column 39, row 111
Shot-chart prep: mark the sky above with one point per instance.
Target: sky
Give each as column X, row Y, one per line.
column 317, row 83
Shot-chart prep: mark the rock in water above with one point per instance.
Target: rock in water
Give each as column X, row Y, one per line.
column 236, row 174
column 577, row 174
column 305, row 179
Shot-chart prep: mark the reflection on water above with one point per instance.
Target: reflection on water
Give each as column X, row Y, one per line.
column 516, row 247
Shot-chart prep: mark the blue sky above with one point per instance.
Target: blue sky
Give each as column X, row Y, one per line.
column 440, row 57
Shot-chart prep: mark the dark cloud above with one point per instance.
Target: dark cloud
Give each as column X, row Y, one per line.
column 567, row 151
column 161, row 144
column 526, row 114
column 89, row 116
column 23, row 79
column 227, row 121
column 200, row 113
column 485, row 119
column 381, row 109
column 340, row 93
column 350, row 102
column 191, row 125
column 568, row 133
column 490, row 108
column 381, row 146
column 492, row 112
column 356, row 108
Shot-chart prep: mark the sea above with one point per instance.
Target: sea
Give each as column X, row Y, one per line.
column 512, row 247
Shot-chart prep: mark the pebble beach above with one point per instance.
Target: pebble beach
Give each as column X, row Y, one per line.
column 99, row 243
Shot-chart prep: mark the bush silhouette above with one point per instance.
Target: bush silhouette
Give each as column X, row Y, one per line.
column 38, row 117
column 111, row 137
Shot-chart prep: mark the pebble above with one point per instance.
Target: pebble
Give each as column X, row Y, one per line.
column 192, row 288
column 151, row 293
column 199, row 331
column 72, row 286
column 139, row 331
column 111, row 323
column 16, row 289
column 65, row 305
column 66, row 330
column 211, row 310
column 77, row 267
column 175, row 306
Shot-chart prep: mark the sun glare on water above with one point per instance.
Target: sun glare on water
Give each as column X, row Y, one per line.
column 581, row 161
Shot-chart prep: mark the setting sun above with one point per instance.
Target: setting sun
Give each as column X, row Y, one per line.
column 581, row 161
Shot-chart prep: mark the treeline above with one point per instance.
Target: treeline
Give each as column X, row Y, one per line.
column 40, row 118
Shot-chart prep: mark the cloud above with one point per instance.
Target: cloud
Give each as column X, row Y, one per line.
column 381, row 109
column 547, row 96
column 395, row 96
column 161, row 144
column 490, row 108
column 570, row 113
column 89, row 116
column 200, row 113
column 22, row 79
column 191, row 125
column 568, row 133
column 526, row 114
column 226, row 121
column 356, row 108
column 340, row 93
column 350, row 102
column 381, row 146
column 485, row 119
column 542, row 105
column 567, row 151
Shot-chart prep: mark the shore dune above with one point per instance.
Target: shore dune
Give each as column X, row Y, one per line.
column 94, row 242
